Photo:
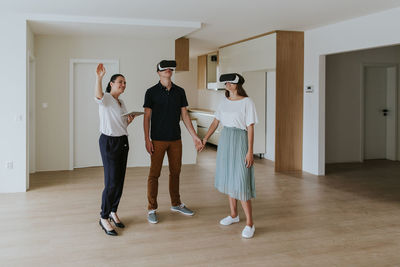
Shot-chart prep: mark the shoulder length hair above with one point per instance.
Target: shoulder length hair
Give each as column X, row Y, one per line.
column 240, row 91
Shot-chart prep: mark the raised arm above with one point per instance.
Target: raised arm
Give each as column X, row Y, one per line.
column 211, row 130
column 100, row 72
column 189, row 126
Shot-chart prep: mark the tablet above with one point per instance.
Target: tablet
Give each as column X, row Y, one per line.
column 136, row 113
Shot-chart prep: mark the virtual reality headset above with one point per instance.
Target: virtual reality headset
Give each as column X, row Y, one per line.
column 166, row 64
column 231, row 78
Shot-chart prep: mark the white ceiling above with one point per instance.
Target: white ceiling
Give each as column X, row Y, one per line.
column 224, row 21
column 100, row 26
column 91, row 29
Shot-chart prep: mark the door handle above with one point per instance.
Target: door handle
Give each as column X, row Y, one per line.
column 385, row 111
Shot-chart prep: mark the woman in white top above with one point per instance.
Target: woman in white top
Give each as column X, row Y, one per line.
column 114, row 145
column 234, row 173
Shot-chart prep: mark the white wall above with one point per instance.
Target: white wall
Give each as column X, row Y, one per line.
column 30, row 40
column 138, row 59
column 270, row 116
column 30, row 70
column 344, row 100
column 13, row 104
column 374, row 30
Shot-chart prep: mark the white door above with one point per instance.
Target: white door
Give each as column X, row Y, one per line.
column 255, row 87
column 380, row 113
column 86, row 113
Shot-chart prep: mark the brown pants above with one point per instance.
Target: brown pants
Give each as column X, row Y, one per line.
column 174, row 152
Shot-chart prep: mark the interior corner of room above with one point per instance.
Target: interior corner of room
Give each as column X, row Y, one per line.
column 325, row 80
column 298, row 101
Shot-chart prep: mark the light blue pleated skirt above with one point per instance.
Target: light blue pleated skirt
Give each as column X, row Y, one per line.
column 231, row 176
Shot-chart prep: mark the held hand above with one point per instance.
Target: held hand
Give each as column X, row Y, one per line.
column 149, row 147
column 131, row 118
column 203, row 144
column 198, row 143
column 100, row 71
column 249, row 161
column 204, row 141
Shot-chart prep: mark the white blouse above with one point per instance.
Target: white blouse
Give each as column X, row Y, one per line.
column 237, row 113
column 111, row 121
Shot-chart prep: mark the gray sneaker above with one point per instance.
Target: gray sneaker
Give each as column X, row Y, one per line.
column 152, row 217
column 182, row 209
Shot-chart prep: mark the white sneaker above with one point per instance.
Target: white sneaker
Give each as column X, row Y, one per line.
column 229, row 220
column 248, row 231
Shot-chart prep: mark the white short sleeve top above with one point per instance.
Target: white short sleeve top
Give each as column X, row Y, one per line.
column 111, row 121
column 237, row 113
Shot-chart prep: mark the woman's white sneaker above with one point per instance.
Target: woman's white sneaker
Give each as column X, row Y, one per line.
column 229, row 220
column 248, row 231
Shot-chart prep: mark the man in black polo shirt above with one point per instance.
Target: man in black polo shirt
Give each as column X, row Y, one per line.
column 164, row 104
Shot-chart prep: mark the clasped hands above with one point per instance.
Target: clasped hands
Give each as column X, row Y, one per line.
column 199, row 144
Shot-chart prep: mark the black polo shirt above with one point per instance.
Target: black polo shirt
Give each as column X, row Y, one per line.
column 165, row 111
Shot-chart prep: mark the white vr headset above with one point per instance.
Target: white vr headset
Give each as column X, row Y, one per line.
column 166, row 64
column 231, row 78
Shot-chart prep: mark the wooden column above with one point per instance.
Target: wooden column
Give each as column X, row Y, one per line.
column 289, row 101
column 182, row 54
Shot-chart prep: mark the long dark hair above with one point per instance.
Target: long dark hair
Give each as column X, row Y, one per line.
column 240, row 91
column 113, row 78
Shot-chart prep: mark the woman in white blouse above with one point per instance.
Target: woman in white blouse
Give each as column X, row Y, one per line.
column 234, row 173
column 114, row 145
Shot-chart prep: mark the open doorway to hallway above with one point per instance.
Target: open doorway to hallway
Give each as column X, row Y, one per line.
column 362, row 114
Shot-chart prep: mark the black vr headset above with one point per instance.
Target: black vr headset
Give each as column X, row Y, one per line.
column 166, row 64
column 231, row 78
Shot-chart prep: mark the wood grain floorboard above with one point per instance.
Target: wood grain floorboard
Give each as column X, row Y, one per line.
column 351, row 217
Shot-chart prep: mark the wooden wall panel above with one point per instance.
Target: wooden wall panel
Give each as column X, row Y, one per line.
column 202, row 72
column 289, row 101
column 182, row 54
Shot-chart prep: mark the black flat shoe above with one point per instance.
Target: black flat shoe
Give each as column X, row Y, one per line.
column 112, row 232
column 119, row 225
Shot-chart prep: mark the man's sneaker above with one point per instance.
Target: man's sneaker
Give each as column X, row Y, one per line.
column 248, row 231
column 182, row 209
column 229, row 220
column 152, row 216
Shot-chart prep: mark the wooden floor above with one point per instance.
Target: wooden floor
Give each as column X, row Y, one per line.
column 351, row 217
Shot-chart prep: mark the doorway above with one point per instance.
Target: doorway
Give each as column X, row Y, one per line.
column 362, row 114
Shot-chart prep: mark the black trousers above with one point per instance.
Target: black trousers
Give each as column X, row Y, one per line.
column 114, row 153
